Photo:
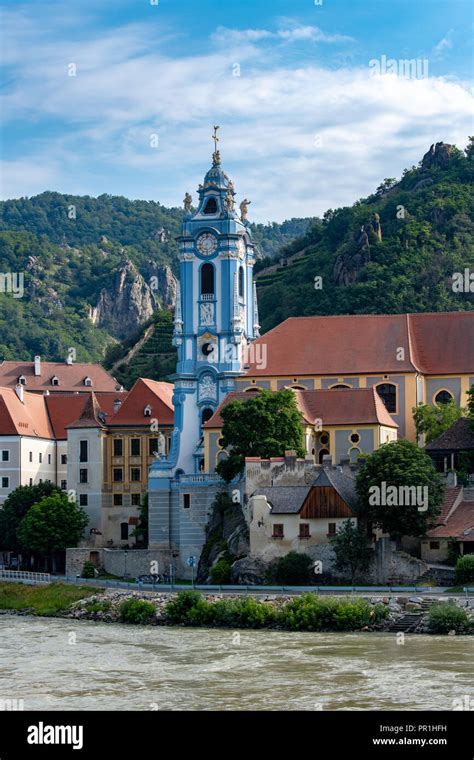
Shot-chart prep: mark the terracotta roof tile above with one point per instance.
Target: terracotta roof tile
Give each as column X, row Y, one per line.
column 440, row 343
column 459, row 525
column 71, row 376
column 64, row 409
column 29, row 418
column 157, row 395
column 343, row 406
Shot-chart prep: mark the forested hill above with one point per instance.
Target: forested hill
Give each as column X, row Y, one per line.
column 87, row 264
column 395, row 251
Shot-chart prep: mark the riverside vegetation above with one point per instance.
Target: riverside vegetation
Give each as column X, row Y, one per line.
column 307, row 612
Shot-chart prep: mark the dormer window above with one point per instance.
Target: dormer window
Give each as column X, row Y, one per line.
column 211, row 206
column 22, row 380
column 87, row 381
column 55, row 380
column 147, row 411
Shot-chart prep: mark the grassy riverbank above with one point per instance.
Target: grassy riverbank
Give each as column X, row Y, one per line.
column 307, row 612
column 49, row 599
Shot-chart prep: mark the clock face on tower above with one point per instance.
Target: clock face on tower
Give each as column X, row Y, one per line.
column 206, row 244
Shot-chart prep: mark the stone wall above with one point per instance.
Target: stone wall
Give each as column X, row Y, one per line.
column 114, row 561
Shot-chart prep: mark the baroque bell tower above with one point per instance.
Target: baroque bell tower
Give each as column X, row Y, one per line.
column 216, row 318
column 216, row 315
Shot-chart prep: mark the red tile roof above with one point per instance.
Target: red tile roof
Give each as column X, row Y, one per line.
column 64, row 409
column 23, row 418
column 157, row 395
column 71, row 377
column 342, row 406
column 460, row 525
column 439, row 343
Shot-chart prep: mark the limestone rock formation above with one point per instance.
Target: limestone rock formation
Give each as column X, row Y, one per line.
column 439, row 155
column 123, row 307
column 249, row 571
column 349, row 263
column 163, row 283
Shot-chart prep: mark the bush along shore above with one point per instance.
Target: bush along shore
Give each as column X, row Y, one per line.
column 307, row 612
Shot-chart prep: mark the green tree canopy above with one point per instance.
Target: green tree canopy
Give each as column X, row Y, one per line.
column 52, row 525
column 265, row 426
column 15, row 508
column 351, row 548
column 404, row 465
column 434, row 420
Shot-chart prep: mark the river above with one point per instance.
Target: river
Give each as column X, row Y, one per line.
column 55, row 664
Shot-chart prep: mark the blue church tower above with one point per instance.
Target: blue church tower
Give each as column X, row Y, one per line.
column 216, row 317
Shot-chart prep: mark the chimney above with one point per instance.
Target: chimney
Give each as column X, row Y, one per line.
column 69, row 359
column 327, row 460
column 117, row 405
column 19, row 390
column 37, row 366
column 345, row 461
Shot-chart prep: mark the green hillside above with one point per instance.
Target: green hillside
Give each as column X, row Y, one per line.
column 427, row 234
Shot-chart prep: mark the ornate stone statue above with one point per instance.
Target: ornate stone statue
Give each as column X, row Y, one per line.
column 244, row 207
column 188, row 203
column 229, row 203
column 161, row 445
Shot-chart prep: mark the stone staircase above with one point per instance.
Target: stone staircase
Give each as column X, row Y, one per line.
column 411, row 618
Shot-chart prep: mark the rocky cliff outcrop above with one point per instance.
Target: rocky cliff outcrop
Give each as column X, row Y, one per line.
column 357, row 253
column 124, row 307
column 439, row 155
column 163, row 283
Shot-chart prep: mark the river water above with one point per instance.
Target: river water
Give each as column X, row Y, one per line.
column 55, row 664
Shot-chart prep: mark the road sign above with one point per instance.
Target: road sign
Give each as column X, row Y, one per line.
column 191, row 561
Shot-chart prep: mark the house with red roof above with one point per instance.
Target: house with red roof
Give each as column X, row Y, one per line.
column 337, row 425
column 408, row 358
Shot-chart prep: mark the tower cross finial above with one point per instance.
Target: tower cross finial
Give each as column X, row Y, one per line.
column 215, row 137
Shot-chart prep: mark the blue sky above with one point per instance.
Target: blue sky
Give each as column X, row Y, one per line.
column 305, row 125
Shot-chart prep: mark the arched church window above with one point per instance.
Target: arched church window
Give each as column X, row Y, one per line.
column 339, row 385
column 241, row 282
column 388, row 394
column 211, row 206
column 322, row 453
column 206, row 415
column 443, row 397
column 207, row 279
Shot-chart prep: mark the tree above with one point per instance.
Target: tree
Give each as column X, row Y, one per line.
column 352, row 549
column 51, row 525
column 434, row 420
column 15, row 508
column 265, row 426
column 470, row 402
column 294, row 568
column 391, row 489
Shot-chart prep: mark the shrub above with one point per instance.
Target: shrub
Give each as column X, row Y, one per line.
column 95, row 605
column 136, row 611
column 293, row 568
column 177, row 610
column 245, row 612
column 447, row 617
column 465, row 569
column 220, row 572
column 88, row 569
column 311, row 613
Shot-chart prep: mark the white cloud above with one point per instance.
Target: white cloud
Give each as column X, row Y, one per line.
column 293, row 33
column 297, row 139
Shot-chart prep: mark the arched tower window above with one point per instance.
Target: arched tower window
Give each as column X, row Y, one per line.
column 207, row 279
column 210, row 207
column 241, row 282
column 206, row 415
column 388, row 394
